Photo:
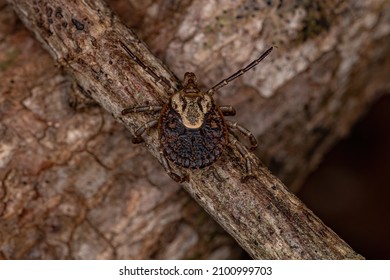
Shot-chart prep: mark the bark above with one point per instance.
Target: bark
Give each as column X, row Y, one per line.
column 267, row 221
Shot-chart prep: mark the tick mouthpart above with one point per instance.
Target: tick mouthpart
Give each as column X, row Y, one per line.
column 190, row 81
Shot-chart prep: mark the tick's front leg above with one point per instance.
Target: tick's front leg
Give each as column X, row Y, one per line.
column 140, row 109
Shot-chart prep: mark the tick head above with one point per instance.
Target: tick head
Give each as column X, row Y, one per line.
column 190, row 84
column 190, row 103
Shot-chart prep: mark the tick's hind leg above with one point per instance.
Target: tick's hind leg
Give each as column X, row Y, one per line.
column 243, row 131
column 178, row 178
column 138, row 133
column 245, row 154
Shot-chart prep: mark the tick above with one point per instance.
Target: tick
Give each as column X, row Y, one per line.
column 192, row 129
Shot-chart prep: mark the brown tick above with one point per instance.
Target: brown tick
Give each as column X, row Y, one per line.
column 193, row 132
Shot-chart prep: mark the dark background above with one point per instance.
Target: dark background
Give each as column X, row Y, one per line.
column 350, row 189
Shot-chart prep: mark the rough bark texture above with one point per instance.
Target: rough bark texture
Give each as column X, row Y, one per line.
column 68, row 176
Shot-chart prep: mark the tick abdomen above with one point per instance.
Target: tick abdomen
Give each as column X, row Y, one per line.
column 192, row 148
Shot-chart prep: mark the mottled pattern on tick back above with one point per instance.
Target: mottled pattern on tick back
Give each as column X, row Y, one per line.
column 192, row 148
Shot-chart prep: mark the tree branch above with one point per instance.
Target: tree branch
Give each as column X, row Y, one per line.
column 261, row 214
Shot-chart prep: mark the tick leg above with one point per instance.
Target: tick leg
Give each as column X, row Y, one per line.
column 227, row 110
column 144, row 108
column 138, row 133
column 244, row 153
column 158, row 79
column 244, row 131
column 217, row 176
column 171, row 173
column 239, row 72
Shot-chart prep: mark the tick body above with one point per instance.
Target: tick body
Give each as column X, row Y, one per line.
column 193, row 132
